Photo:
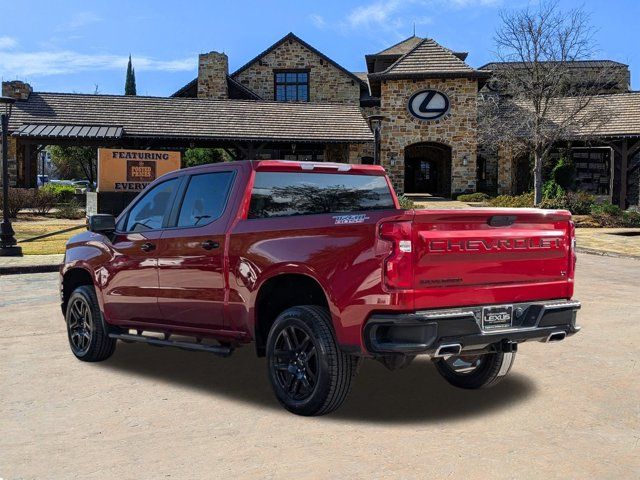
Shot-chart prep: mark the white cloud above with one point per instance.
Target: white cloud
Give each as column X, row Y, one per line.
column 379, row 12
column 7, row 43
column 22, row 64
column 318, row 20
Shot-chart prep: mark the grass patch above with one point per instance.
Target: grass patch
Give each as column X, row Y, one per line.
column 33, row 226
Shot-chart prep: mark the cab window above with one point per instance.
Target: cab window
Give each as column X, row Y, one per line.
column 151, row 211
column 205, row 198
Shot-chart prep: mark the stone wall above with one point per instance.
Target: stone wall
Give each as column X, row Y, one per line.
column 359, row 150
column 326, row 82
column 457, row 129
column 213, row 68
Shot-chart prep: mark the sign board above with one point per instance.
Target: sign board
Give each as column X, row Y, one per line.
column 132, row 170
column 428, row 105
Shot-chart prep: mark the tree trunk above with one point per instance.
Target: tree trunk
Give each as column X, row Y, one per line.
column 537, row 177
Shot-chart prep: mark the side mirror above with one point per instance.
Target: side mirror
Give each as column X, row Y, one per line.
column 101, row 223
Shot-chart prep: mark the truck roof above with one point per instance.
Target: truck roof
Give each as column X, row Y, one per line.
column 296, row 166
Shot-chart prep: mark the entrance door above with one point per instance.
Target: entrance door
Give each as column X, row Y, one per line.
column 421, row 177
column 428, row 169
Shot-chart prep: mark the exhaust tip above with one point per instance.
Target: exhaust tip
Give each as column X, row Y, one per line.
column 556, row 336
column 448, row 350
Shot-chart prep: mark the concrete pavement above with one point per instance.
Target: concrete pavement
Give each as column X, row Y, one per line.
column 567, row 410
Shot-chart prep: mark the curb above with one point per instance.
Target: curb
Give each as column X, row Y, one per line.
column 602, row 253
column 20, row 269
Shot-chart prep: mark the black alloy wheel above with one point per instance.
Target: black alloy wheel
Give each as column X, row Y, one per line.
column 308, row 372
column 80, row 326
column 295, row 362
column 87, row 331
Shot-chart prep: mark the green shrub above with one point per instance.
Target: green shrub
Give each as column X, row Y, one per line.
column 70, row 210
column 564, row 174
column 608, row 215
column 19, row 199
column 518, row 201
column 551, row 189
column 406, row 203
column 578, row 203
column 63, row 193
column 473, row 197
column 43, row 201
column 606, row 209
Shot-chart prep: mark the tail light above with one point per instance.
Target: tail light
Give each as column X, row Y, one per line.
column 572, row 249
column 398, row 266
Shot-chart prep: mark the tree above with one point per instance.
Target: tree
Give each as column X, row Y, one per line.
column 75, row 162
column 538, row 100
column 130, row 82
column 201, row 156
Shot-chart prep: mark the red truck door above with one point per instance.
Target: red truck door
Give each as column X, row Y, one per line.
column 191, row 260
column 131, row 291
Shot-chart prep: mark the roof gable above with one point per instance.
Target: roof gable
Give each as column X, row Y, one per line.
column 292, row 37
column 428, row 57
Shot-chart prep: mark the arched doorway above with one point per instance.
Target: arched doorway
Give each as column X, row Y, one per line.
column 427, row 169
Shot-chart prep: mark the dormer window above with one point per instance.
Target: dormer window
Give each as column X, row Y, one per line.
column 292, row 86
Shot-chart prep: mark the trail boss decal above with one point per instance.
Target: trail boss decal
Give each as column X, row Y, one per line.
column 346, row 219
column 428, row 104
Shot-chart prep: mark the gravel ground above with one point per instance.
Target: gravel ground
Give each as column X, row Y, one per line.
column 567, row 410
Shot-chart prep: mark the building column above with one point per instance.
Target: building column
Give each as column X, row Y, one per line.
column 505, row 171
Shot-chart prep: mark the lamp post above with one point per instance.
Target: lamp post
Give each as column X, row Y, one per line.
column 8, row 242
column 376, row 122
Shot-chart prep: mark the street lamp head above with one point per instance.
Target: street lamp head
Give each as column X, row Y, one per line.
column 6, row 103
column 375, row 121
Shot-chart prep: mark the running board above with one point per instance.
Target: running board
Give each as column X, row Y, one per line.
column 159, row 342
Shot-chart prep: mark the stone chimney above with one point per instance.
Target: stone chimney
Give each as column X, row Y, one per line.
column 16, row 89
column 213, row 68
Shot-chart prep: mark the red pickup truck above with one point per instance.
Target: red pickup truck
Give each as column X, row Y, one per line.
column 317, row 264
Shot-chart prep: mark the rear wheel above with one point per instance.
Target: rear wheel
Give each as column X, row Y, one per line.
column 88, row 338
column 475, row 371
column 307, row 371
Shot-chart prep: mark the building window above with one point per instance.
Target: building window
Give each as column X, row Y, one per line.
column 292, row 86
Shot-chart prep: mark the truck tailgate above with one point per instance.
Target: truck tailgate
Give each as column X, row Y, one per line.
column 482, row 256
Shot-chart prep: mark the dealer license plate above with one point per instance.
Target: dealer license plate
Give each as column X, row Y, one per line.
column 497, row 317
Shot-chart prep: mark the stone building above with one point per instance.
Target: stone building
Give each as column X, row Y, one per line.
column 417, row 98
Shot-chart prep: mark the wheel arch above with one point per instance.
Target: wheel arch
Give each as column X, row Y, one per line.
column 72, row 278
column 279, row 292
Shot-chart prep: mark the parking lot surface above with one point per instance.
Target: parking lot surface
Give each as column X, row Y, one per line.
column 567, row 410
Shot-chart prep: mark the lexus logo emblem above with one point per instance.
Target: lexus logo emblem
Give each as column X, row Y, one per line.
column 428, row 104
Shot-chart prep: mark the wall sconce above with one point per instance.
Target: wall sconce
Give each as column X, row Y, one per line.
column 465, row 161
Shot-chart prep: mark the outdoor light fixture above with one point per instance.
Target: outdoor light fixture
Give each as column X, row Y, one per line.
column 375, row 121
column 8, row 242
column 465, row 161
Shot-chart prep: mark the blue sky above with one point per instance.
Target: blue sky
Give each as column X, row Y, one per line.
column 72, row 46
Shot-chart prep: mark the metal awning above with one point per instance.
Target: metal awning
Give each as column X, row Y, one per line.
column 68, row 131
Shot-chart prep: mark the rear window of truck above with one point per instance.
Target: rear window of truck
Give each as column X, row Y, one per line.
column 283, row 194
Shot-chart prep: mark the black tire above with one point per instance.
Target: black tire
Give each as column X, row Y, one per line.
column 323, row 378
column 490, row 370
column 86, row 330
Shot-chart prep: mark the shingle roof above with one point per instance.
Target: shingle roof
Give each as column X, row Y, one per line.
column 428, row 58
column 402, row 47
column 574, row 64
column 192, row 118
column 621, row 112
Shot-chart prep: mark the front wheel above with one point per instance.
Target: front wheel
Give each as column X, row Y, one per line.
column 308, row 372
column 88, row 338
column 475, row 371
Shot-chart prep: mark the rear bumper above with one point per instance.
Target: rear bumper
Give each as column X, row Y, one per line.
column 425, row 332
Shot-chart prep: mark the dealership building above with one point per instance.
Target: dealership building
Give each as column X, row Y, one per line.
column 414, row 110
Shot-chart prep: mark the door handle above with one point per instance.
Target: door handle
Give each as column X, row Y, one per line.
column 147, row 247
column 210, row 244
